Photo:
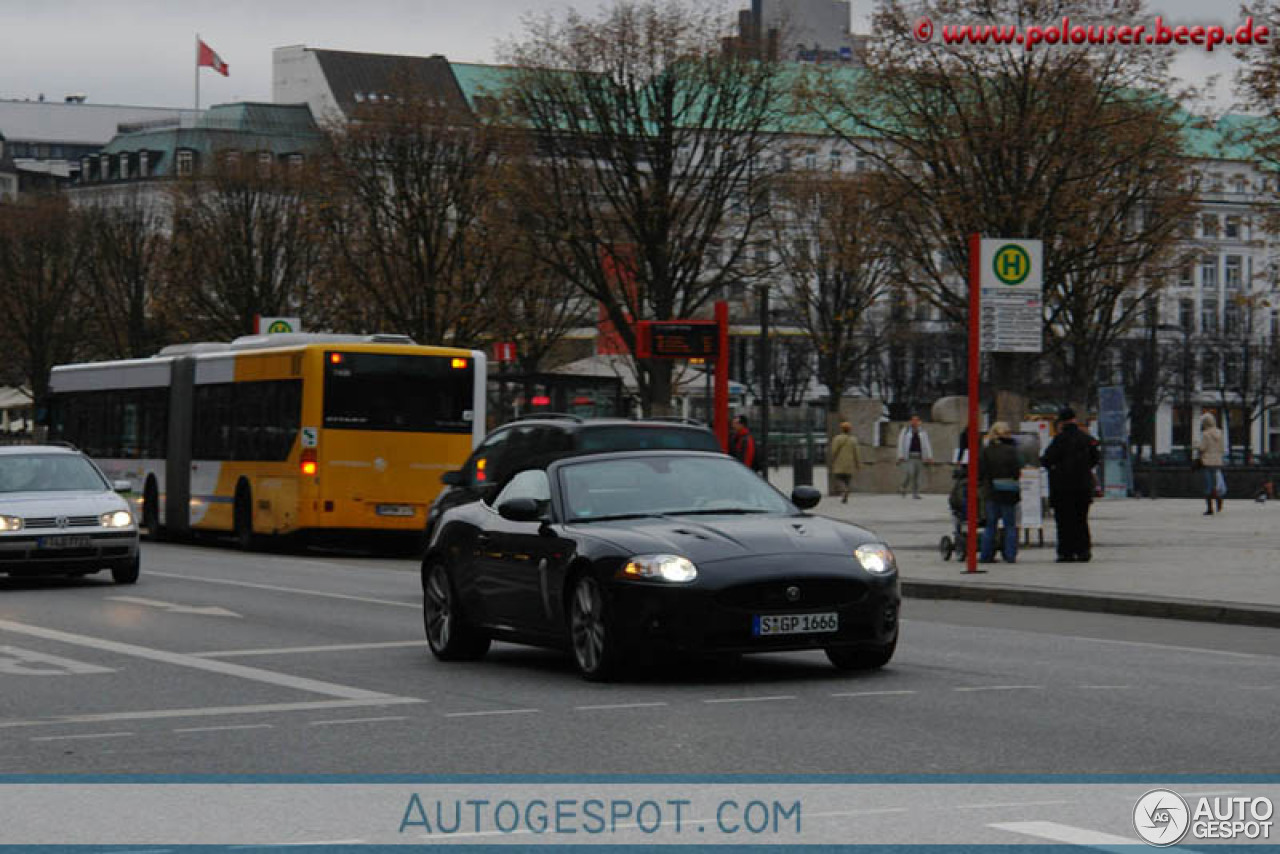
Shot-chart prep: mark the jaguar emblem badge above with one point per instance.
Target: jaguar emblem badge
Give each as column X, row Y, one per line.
column 793, row 594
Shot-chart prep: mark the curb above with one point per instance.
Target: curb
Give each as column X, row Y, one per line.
column 1105, row 603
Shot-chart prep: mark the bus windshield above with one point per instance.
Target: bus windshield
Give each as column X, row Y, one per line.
column 403, row 393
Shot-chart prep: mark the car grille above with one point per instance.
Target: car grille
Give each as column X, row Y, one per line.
column 52, row 522
column 813, row 593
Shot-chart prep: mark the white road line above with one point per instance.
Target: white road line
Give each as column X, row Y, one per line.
column 751, row 699
column 278, row 589
column 1001, row 688
column 1172, row 648
column 872, row 693
column 1071, row 835
column 222, row 728
column 298, row 650
column 211, row 711
column 611, row 706
column 493, row 712
column 85, row 735
column 280, row 680
column 1257, row 687
column 1106, row 687
column 360, row 720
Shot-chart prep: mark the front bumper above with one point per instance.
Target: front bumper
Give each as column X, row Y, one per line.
column 671, row 617
column 28, row 553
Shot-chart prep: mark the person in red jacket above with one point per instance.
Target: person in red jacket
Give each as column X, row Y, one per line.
column 741, row 443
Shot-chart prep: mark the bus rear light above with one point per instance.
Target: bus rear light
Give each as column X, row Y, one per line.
column 309, row 465
column 458, row 363
column 335, row 358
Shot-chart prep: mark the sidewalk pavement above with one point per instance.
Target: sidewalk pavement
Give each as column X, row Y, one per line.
column 1153, row 558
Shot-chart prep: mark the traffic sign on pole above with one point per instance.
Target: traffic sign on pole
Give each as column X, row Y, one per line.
column 1012, row 285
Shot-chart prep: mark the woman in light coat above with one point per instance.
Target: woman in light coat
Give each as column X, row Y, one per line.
column 845, row 460
column 1211, row 451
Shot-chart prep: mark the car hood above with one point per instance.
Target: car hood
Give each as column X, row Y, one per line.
column 59, row 503
column 706, row 539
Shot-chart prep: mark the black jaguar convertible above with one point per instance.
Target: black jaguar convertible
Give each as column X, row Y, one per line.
column 622, row 555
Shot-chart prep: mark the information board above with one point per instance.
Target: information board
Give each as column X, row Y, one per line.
column 685, row 339
column 1011, row 318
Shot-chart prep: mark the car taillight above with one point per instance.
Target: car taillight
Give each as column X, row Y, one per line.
column 309, row 464
column 481, row 477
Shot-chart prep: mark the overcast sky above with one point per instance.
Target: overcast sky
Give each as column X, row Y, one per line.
column 142, row 51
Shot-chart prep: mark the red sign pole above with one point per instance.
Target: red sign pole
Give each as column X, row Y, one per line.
column 975, row 368
column 722, row 375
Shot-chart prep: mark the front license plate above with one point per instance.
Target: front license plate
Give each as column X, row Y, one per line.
column 395, row 509
column 65, row 542
column 794, row 624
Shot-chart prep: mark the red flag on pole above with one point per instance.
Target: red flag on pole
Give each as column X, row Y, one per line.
column 206, row 57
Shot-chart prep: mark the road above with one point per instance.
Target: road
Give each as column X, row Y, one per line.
column 220, row 662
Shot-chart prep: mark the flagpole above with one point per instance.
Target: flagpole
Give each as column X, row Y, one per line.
column 197, row 72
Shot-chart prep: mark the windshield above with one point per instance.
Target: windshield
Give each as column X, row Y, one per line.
column 659, row 485
column 404, row 393
column 49, row 473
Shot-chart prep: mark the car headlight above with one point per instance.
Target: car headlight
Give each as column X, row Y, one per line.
column 10, row 523
column 116, row 519
column 876, row 558
column 661, row 568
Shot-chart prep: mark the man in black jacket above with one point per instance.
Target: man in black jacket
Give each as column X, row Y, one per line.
column 1070, row 459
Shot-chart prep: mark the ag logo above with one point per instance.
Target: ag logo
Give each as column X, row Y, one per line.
column 279, row 326
column 1161, row 817
column 1011, row 264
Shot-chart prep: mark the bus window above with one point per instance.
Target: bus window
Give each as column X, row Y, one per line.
column 417, row 394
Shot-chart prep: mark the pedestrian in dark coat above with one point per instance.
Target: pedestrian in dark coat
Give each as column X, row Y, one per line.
column 1070, row 459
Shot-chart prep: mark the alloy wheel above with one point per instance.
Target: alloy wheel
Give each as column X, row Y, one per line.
column 439, row 609
column 587, row 625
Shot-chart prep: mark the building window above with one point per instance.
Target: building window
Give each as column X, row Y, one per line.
column 186, row 162
column 1242, row 186
column 1209, row 225
column 294, row 161
column 86, row 168
column 104, row 167
column 1233, row 272
column 265, row 159
column 1209, row 370
column 1209, row 316
column 836, row 163
column 122, row 170
column 1232, row 228
column 1187, row 314
column 1231, row 319
column 1209, row 272
column 144, row 165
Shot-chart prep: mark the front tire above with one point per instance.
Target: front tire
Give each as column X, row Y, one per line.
column 596, row 647
column 127, row 571
column 448, row 634
column 861, row 658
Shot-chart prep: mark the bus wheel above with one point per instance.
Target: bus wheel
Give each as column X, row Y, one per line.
column 243, row 517
column 151, row 510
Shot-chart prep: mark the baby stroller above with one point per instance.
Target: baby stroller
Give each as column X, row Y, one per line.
column 955, row 542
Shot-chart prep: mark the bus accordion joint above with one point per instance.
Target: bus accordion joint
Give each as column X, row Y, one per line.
column 308, row 462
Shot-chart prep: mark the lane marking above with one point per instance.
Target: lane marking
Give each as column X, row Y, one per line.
column 1106, row 687
column 279, row 589
column 240, row 671
column 751, row 699
column 1265, row 658
column 85, row 735
column 299, row 650
column 872, row 693
column 360, row 720
column 1001, row 688
column 211, row 711
column 1071, row 835
column 493, row 712
column 610, row 706
column 172, row 608
column 15, row 661
column 222, row 728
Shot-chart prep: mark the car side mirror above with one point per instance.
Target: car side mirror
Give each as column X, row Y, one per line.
column 805, row 497
column 122, row 486
column 451, row 478
column 521, row 510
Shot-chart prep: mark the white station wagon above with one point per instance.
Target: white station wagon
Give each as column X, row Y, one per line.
column 59, row 515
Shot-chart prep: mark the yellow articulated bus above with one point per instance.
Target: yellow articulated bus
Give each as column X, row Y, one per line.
column 276, row 435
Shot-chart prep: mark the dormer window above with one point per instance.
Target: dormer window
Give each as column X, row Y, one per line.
column 185, row 162
column 294, row 162
column 144, row 166
column 104, row 167
column 86, row 168
column 122, row 166
column 265, row 160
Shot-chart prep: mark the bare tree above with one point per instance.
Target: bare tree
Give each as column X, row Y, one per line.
column 125, row 265
column 243, row 245
column 829, row 235
column 650, row 142
column 42, row 300
column 1079, row 148
column 414, row 185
